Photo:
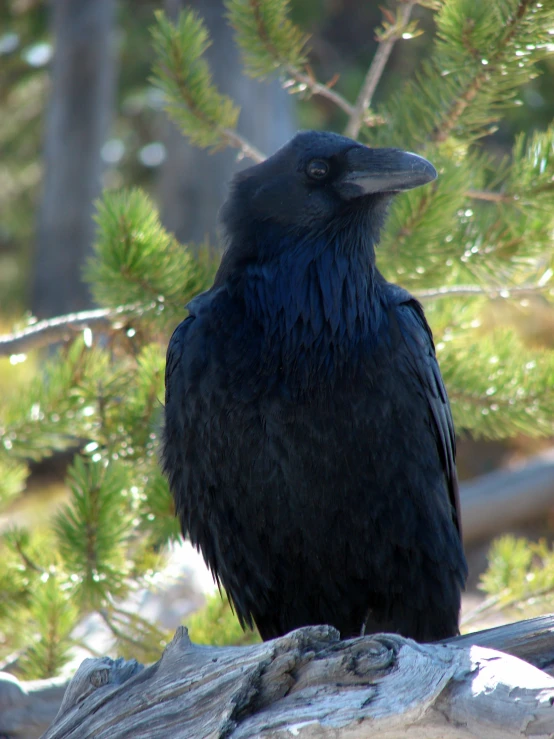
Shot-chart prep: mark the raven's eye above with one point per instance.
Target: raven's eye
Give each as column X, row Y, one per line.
column 317, row 169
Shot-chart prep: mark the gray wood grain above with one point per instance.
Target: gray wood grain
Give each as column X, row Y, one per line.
column 27, row 709
column 311, row 684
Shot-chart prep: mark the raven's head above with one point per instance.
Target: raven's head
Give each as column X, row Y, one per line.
column 318, row 182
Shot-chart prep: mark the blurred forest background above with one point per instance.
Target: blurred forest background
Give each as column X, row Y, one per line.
column 79, row 114
column 91, row 119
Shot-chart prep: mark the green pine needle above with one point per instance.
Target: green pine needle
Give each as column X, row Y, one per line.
column 418, row 244
column 183, row 75
column 157, row 510
column 531, row 177
column 20, row 554
column 497, row 386
column 520, row 575
column 136, row 637
column 13, row 475
column 93, row 530
column 217, row 625
column 56, row 408
column 269, row 41
column 483, row 54
column 53, row 616
column 137, row 261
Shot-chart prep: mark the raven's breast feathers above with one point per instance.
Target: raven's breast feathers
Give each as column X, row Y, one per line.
column 317, row 309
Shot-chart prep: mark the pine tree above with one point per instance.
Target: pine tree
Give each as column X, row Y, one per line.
column 481, row 236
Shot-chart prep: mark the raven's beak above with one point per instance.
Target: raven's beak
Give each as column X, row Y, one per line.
column 383, row 170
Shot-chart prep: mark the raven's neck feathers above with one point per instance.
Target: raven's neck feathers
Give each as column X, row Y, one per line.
column 317, row 288
column 318, row 301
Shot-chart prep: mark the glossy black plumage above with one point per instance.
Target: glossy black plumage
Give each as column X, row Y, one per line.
column 308, row 440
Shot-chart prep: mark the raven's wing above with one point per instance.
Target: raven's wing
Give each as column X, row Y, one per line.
column 174, row 354
column 420, row 355
column 208, row 440
column 186, row 348
column 185, row 367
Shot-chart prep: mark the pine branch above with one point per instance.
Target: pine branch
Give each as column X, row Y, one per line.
column 268, row 39
column 61, row 328
column 483, row 74
column 13, row 475
column 271, row 43
column 505, row 291
column 27, row 561
column 418, row 244
column 93, row 529
column 136, row 259
column 520, row 574
column 308, row 82
column 487, row 195
column 134, row 633
column 183, row 75
column 376, row 69
column 47, row 627
column 498, row 603
column 116, row 631
column 246, row 149
column 498, row 387
column 484, row 52
column 467, row 97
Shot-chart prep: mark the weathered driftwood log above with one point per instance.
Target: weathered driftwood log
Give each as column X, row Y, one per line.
column 310, row 684
column 27, row 709
column 531, row 640
column 506, row 498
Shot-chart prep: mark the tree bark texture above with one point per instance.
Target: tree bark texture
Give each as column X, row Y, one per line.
column 310, row 684
column 193, row 182
column 77, row 124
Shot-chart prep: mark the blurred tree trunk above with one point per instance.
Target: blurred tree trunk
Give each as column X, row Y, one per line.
column 77, row 122
column 193, row 183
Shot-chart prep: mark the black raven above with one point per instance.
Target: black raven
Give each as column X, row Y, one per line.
column 308, row 440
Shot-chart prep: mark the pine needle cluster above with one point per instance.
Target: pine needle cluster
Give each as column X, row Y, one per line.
column 269, row 41
column 99, row 397
column 184, row 76
column 519, row 579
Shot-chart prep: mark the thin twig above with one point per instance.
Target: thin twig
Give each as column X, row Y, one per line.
column 51, row 330
column 307, row 80
column 246, row 148
column 231, row 137
column 374, row 73
column 26, row 559
column 117, row 632
column 125, row 617
column 493, row 197
column 501, row 197
column 316, row 88
column 494, row 604
column 491, row 292
column 483, row 607
column 462, row 102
